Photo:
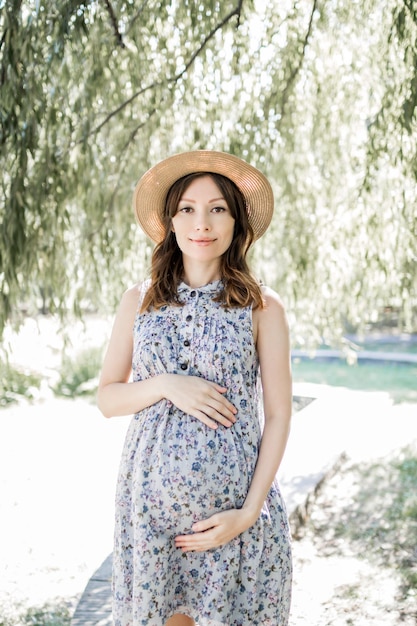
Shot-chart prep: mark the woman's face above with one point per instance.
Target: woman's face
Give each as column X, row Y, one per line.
column 203, row 224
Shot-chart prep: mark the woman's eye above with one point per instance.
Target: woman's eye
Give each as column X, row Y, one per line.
column 185, row 209
column 219, row 209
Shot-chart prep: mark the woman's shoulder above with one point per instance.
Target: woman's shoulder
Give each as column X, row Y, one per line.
column 271, row 298
column 272, row 315
column 134, row 295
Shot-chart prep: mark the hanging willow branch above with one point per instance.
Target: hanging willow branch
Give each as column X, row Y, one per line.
column 173, row 79
column 296, row 70
column 113, row 20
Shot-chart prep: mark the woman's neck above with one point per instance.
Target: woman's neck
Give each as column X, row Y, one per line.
column 196, row 275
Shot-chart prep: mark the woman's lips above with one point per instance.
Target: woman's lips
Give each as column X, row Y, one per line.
column 202, row 242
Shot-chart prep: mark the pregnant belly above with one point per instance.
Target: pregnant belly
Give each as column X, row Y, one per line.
column 187, row 473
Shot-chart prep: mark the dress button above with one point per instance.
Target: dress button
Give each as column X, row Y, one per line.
column 188, row 318
column 193, row 293
column 186, row 343
column 184, row 366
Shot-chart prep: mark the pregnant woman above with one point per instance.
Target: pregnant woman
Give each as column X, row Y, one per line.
column 201, row 531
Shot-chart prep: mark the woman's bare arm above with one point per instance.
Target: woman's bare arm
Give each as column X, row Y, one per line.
column 117, row 396
column 273, row 347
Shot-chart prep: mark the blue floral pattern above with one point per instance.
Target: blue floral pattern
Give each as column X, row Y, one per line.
column 175, row 471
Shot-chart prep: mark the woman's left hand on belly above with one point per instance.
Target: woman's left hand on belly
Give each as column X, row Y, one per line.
column 215, row 531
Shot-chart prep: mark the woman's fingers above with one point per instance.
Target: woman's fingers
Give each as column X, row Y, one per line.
column 202, row 417
column 216, row 411
column 211, row 418
column 203, row 399
column 216, row 404
column 215, row 531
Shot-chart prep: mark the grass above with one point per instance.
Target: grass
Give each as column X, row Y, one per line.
column 78, row 375
column 16, row 384
column 50, row 614
column 403, row 514
column 384, row 515
column 399, row 380
column 369, row 511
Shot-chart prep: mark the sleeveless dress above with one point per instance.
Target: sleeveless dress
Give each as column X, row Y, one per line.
column 175, row 471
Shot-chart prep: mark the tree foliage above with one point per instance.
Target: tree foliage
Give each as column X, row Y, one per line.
column 321, row 96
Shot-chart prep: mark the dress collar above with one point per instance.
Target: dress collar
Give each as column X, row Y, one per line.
column 209, row 288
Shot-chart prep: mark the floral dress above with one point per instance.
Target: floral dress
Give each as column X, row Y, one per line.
column 175, row 471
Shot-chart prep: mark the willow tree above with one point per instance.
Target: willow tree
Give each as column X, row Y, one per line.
column 93, row 93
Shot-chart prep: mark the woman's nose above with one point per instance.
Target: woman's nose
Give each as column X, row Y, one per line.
column 202, row 222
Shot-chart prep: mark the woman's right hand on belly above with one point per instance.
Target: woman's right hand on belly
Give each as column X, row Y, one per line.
column 200, row 398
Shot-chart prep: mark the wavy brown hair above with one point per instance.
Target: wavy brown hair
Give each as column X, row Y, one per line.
column 240, row 288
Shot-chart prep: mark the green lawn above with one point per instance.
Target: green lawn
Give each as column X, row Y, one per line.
column 399, row 380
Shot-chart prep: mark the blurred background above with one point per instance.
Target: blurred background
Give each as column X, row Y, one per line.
column 320, row 96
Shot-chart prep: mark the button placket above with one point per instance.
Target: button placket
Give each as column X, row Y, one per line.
column 187, row 330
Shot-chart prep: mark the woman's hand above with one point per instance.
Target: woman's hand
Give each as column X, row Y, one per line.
column 200, row 398
column 216, row 530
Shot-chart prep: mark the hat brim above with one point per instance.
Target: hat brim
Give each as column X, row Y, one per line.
column 151, row 190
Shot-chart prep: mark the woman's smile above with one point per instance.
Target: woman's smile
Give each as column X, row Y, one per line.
column 202, row 242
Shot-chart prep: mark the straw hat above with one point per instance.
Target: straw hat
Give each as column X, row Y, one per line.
column 151, row 191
